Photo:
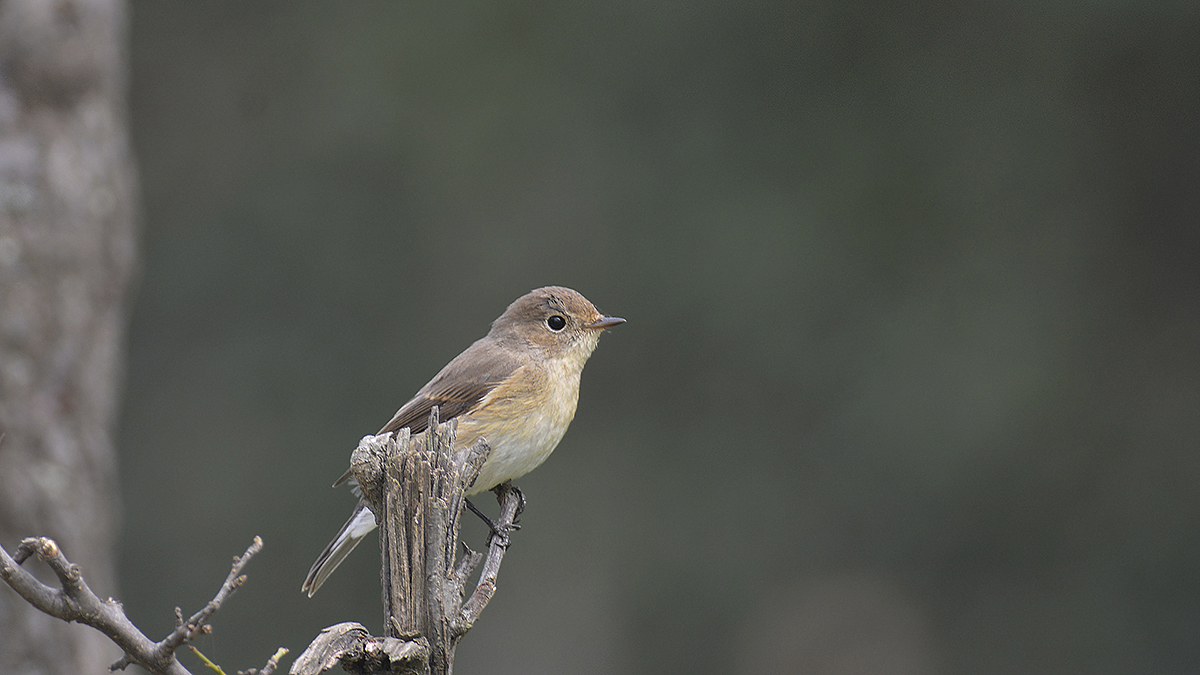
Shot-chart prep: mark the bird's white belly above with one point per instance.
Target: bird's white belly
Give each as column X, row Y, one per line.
column 521, row 435
column 514, row 455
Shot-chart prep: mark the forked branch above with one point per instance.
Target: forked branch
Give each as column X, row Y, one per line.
column 74, row 600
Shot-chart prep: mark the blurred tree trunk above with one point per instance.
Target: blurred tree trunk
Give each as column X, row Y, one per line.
column 67, row 252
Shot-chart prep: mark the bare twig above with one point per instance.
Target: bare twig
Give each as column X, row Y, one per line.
column 511, row 503
column 197, row 624
column 268, row 669
column 272, row 664
column 75, row 601
column 204, row 659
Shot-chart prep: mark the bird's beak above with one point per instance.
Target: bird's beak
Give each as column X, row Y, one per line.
column 605, row 322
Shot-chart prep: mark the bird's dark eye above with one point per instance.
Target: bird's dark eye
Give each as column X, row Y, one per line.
column 556, row 323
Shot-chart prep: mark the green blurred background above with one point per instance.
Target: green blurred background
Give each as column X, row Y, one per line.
column 910, row 382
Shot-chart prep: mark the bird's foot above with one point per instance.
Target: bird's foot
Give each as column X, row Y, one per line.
column 497, row 531
column 507, row 485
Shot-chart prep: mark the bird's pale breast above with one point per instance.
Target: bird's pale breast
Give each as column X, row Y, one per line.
column 523, row 420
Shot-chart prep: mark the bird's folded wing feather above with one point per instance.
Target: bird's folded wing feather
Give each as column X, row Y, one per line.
column 461, row 385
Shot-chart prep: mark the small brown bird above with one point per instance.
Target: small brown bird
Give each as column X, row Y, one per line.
column 517, row 387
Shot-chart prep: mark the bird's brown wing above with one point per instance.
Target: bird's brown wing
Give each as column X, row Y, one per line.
column 456, row 390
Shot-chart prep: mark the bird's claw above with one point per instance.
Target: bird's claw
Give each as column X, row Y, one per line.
column 496, row 530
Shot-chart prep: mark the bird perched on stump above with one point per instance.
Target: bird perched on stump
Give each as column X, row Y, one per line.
column 516, row 387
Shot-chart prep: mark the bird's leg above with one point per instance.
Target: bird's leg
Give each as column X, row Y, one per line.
column 499, row 531
column 483, row 516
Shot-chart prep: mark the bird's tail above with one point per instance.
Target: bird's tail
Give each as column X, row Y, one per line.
column 359, row 526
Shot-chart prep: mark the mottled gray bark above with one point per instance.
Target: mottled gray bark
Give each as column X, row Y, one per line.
column 67, row 252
